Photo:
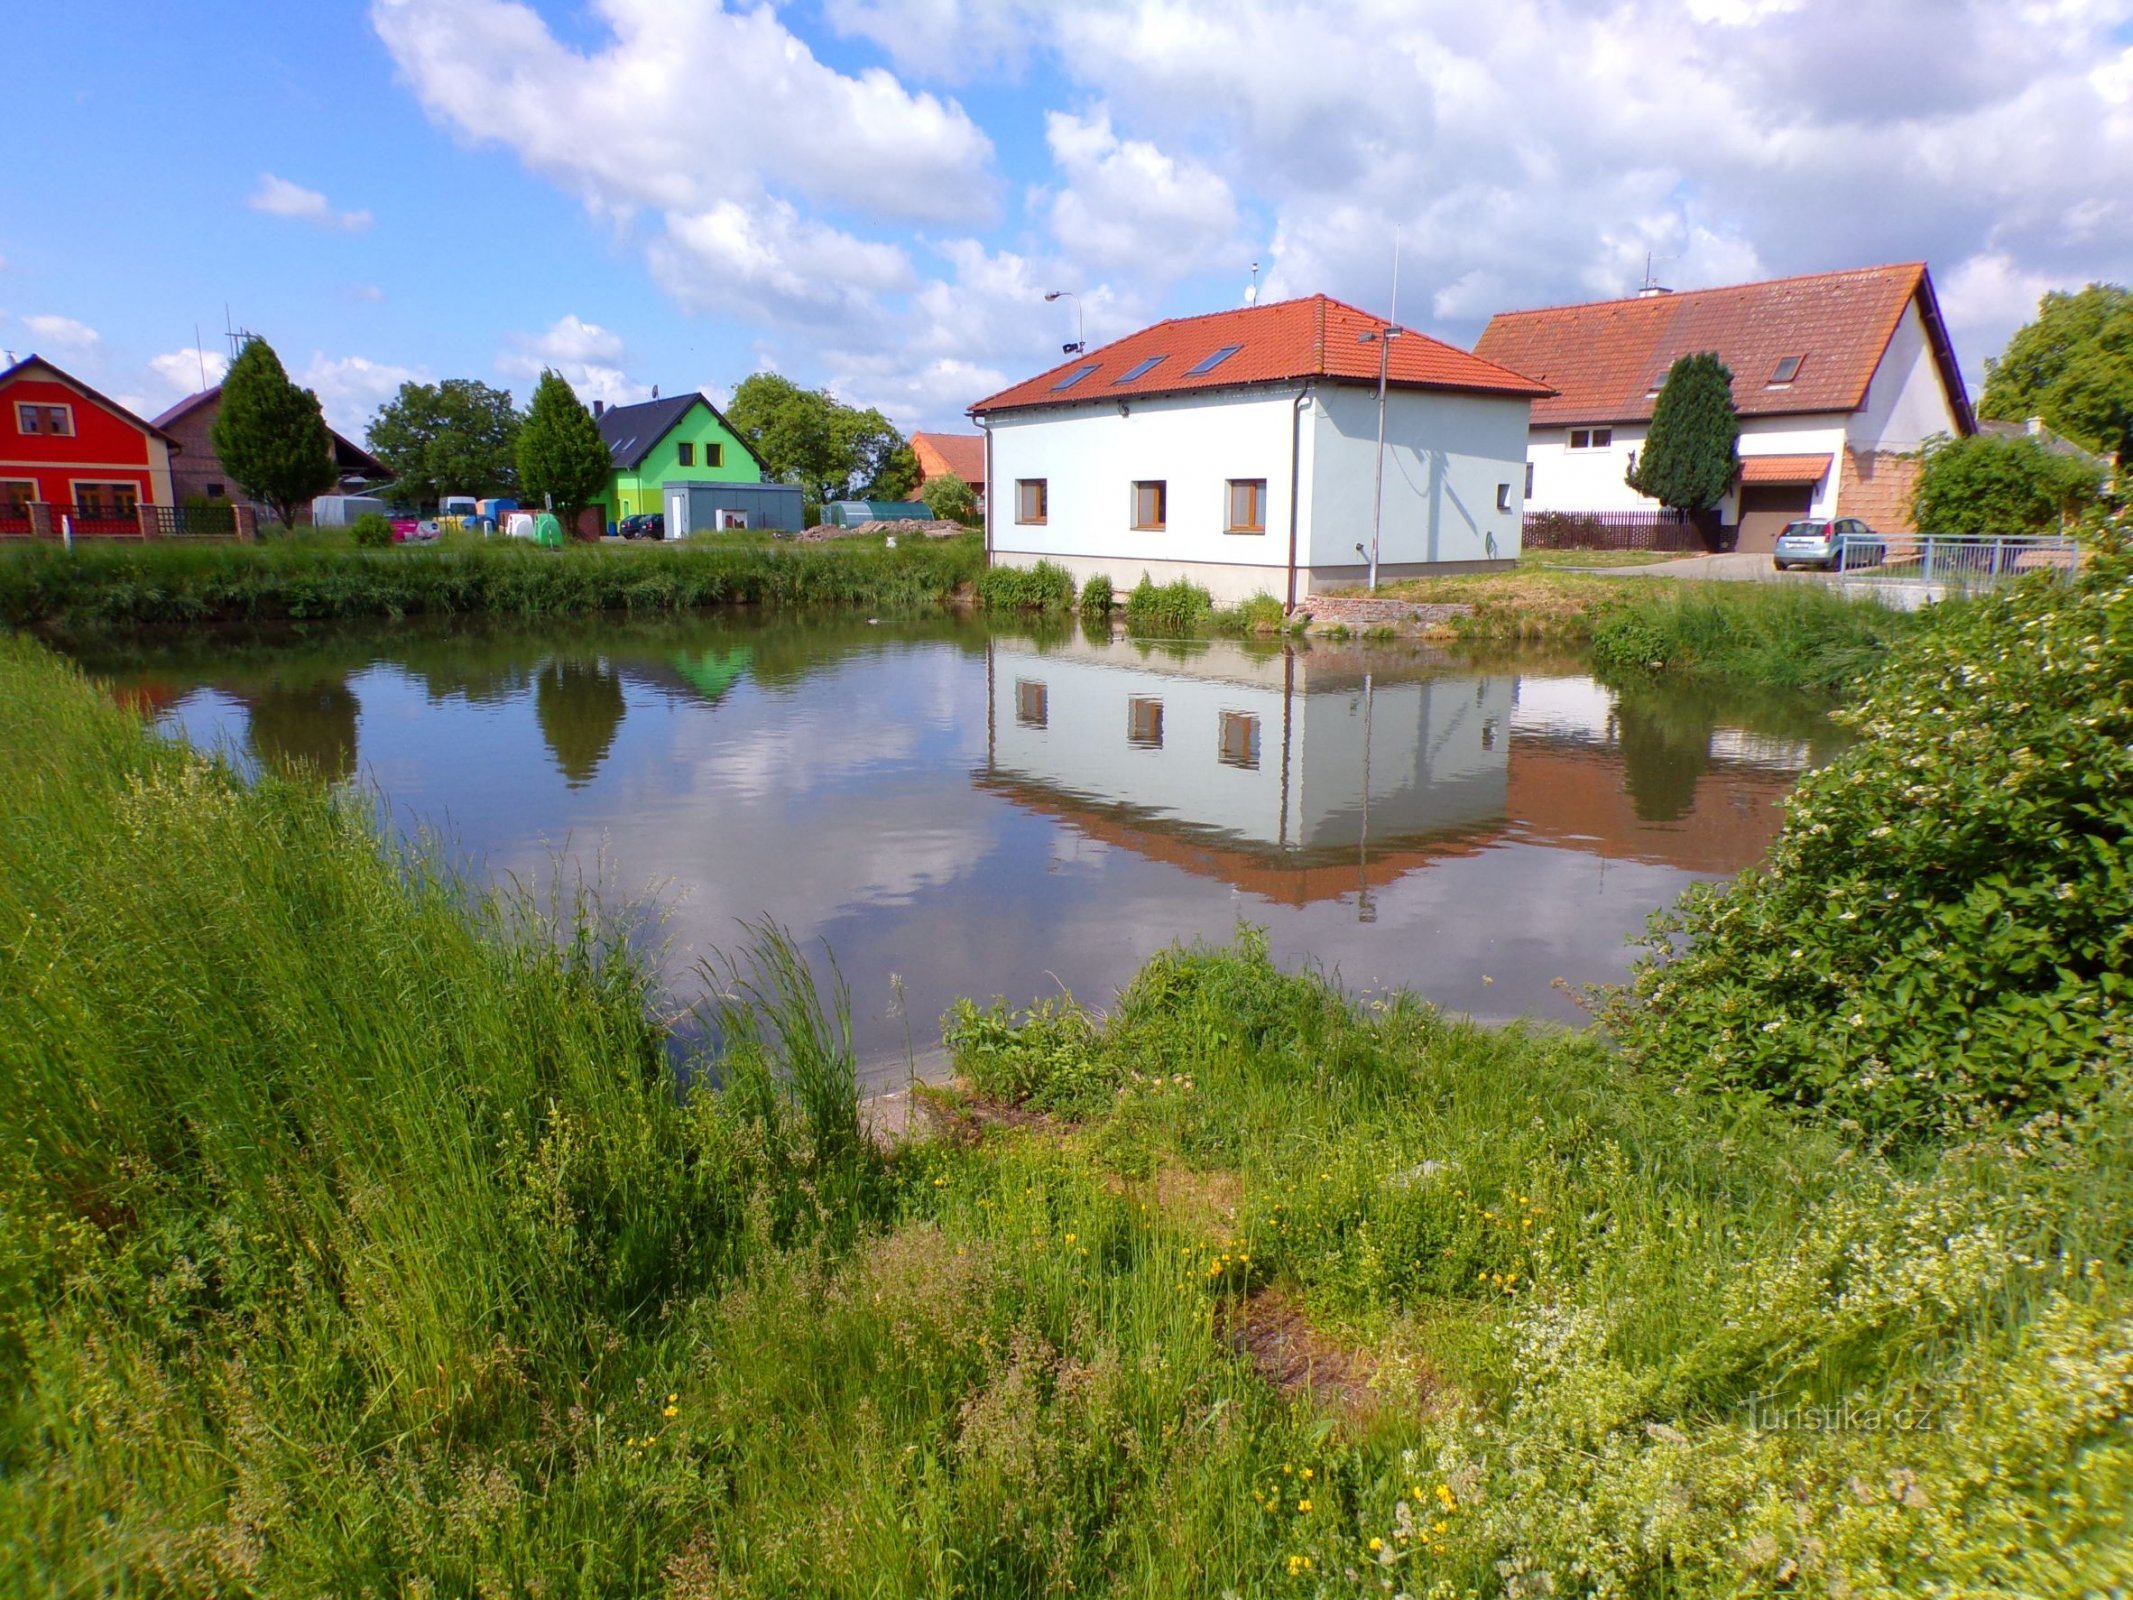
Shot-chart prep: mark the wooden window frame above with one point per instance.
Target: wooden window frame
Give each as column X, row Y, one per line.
column 43, row 408
column 8, row 503
column 132, row 490
column 1255, row 488
column 1023, row 486
column 1161, row 488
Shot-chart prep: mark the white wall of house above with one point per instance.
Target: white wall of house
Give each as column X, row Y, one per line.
column 1906, row 403
column 1594, row 480
column 1446, row 456
column 1449, row 458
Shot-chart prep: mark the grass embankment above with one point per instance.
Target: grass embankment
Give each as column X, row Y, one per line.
column 1782, row 635
column 133, row 584
column 357, row 1243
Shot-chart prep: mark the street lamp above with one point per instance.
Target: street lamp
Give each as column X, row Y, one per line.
column 1081, row 342
column 1384, row 337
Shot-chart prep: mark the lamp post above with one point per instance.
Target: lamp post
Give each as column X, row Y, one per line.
column 1081, row 341
column 1384, row 337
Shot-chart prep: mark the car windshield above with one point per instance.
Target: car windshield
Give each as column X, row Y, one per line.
column 1806, row 530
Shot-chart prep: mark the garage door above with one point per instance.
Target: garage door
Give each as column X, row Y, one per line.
column 1765, row 508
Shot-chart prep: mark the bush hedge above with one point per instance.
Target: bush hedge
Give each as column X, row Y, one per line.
column 1176, row 610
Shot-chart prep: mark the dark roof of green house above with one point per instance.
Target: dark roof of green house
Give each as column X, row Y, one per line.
column 630, row 432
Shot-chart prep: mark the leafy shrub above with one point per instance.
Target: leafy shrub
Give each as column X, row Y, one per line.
column 1626, row 642
column 1989, row 485
column 1262, row 613
column 1176, row 609
column 1047, row 586
column 1096, row 595
column 1046, row 1057
column 950, row 498
column 1944, row 931
column 372, row 531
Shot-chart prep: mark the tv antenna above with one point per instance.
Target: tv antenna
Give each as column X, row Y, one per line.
column 1251, row 293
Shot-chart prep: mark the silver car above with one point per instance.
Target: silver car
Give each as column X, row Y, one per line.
column 1827, row 542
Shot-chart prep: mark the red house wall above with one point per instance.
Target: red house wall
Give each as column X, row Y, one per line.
column 103, row 448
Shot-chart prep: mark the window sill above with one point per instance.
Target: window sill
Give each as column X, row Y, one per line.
column 1246, row 533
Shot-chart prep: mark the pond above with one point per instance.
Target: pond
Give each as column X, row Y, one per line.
column 960, row 810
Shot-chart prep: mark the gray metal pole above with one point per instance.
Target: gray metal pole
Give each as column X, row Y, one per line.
column 1377, row 500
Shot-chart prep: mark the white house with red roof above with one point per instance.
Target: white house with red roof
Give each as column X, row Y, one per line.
column 1240, row 450
column 1838, row 378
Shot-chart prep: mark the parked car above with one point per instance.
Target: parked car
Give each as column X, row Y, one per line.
column 1828, row 542
column 644, row 525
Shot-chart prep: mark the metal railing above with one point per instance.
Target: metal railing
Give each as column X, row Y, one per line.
column 1957, row 561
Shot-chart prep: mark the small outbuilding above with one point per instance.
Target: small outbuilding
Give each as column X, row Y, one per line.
column 1240, row 450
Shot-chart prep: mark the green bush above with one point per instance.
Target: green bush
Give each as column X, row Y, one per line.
column 1943, row 933
column 950, row 498
column 1178, row 609
column 1262, row 613
column 372, row 531
column 1047, row 586
column 1626, row 642
column 1046, row 1057
column 1986, row 484
column 1096, row 595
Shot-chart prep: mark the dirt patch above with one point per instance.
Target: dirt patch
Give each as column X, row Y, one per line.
column 1301, row 1361
column 964, row 1118
column 1206, row 1202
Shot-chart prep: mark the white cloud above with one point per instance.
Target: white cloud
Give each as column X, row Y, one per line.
column 947, row 41
column 683, row 108
column 768, row 261
column 63, row 333
column 351, row 388
column 181, row 371
column 1128, row 206
column 366, row 293
column 588, row 356
column 278, row 197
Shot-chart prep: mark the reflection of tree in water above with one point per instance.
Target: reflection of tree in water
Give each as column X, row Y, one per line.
column 308, row 727
column 579, row 704
column 1665, row 747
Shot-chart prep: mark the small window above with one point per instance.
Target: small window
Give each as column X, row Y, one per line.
column 714, row 455
column 685, row 453
column 106, row 500
column 1144, row 723
column 15, row 496
column 1074, row 377
column 58, row 421
column 1247, row 505
column 214, row 491
column 1239, row 745
column 1151, row 505
column 1032, row 703
column 1529, row 480
column 1591, row 438
column 1139, row 369
column 1658, row 382
column 1209, row 363
column 1787, row 370
column 1503, row 497
column 1032, row 503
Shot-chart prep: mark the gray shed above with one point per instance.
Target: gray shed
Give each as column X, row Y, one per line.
column 710, row 507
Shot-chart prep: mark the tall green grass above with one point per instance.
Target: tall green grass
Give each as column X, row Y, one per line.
column 358, row 1241
column 127, row 585
column 1783, row 635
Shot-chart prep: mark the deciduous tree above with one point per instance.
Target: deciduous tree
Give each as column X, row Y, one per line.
column 2072, row 366
column 810, row 437
column 950, row 499
column 270, row 435
column 455, row 437
column 1690, row 457
column 562, row 459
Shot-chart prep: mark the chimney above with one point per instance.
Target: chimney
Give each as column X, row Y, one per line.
column 598, row 407
column 1652, row 291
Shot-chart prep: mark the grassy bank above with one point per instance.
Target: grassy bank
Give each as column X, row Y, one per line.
column 356, row 1242
column 134, row 584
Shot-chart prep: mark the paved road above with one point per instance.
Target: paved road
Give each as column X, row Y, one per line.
column 1732, row 567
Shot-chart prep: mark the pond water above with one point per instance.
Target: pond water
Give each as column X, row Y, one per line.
column 977, row 812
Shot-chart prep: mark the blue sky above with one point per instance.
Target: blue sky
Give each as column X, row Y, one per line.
column 874, row 194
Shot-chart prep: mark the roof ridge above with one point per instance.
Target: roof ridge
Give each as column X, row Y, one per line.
column 1678, row 295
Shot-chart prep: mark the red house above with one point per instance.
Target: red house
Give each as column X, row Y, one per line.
column 67, row 450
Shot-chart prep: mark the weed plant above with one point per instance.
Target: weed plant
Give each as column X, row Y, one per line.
column 124, row 586
column 1180, row 609
column 1046, row 586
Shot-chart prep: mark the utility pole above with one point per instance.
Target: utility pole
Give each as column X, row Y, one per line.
column 1384, row 337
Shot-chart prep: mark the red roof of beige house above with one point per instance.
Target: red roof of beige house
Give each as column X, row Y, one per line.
column 1783, row 469
column 1606, row 360
column 960, row 453
column 1283, row 342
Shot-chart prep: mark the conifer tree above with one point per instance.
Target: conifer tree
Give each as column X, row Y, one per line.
column 1690, row 458
column 270, row 434
column 562, row 460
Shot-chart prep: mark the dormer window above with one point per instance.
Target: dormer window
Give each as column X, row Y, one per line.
column 1787, row 370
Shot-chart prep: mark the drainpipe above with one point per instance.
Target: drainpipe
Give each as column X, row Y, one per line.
column 1303, row 399
column 985, row 427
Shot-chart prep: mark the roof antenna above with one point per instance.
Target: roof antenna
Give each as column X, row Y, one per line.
column 1651, row 288
column 1395, row 319
column 202, row 354
column 1251, row 293
column 655, row 391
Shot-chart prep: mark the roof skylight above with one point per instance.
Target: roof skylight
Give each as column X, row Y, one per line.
column 1209, row 363
column 1074, row 377
column 1787, row 369
column 1139, row 369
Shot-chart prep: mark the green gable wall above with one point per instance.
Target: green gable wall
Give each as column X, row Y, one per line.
column 638, row 489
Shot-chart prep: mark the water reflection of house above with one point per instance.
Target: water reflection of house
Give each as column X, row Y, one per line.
column 1296, row 777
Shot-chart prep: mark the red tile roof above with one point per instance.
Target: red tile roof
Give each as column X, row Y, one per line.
column 1783, row 469
column 960, row 453
column 1605, row 360
column 1283, row 342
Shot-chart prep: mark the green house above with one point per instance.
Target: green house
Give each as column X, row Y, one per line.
column 660, row 443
